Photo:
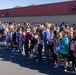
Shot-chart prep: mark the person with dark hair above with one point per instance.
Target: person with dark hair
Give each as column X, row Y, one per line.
column 52, row 45
column 62, row 26
column 33, row 42
column 40, row 45
column 27, row 40
column 57, row 49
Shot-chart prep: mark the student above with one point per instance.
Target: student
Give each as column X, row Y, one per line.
column 64, row 48
column 23, row 41
column 17, row 40
column 7, row 38
column 27, row 38
column 14, row 40
column 46, row 42
column 33, row 42
column 52, row 45
column 57, row 48
column 20, row 40
column 40, row 45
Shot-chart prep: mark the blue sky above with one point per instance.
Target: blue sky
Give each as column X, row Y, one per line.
column 5, row 4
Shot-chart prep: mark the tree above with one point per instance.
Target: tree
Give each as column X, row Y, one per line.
column 32, row 5
column 18, row 6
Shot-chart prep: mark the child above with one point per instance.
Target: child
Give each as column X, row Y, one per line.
column 57, row 40
column 64, row 48
column 7, row 38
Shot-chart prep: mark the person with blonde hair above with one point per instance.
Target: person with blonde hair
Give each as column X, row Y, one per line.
column 46, row 37
column 64, row 48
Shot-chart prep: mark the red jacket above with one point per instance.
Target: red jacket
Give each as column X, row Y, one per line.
column 27, row 36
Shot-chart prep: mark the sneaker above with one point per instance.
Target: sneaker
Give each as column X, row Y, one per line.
column 23, row 53
column 56, row 66
column 17, row 50
column 53, row 63
column 65, row 69
column 70, row 62
column 31, row 56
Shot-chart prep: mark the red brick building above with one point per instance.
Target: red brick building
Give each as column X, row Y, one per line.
column 55, row 13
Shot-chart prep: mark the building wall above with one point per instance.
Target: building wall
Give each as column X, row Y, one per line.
column 62, row 8
column 55, row 13
column 70, row 19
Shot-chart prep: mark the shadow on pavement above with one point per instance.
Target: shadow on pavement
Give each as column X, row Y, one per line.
column 7, row 55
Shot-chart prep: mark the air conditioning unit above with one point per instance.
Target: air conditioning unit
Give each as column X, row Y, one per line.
column 73, row 8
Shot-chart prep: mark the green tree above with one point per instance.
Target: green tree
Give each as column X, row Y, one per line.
column 18, row 6
column 31, row 5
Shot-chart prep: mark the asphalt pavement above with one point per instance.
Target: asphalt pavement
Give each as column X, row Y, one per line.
column 13, row 63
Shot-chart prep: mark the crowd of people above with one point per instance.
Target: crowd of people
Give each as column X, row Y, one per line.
column 31, row 40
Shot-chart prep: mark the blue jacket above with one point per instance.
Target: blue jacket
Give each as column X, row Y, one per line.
column 46, row 35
